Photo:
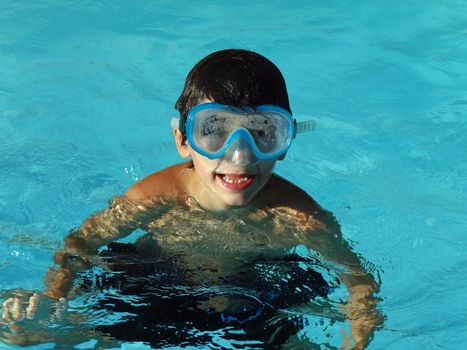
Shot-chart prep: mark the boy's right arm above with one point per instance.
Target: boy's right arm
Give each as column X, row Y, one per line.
column 121, row 218
column 145, row 200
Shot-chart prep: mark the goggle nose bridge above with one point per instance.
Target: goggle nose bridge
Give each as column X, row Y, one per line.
column 245, row 135
column 239, row 152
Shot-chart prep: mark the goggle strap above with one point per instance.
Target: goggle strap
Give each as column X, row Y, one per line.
column 175, row 123
column 304, row 126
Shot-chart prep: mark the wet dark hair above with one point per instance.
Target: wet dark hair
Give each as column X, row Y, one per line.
column 233, row 77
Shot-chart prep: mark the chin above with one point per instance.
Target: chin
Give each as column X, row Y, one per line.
column 238, row 201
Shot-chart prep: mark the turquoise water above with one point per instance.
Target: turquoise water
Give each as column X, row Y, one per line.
column 87, row 91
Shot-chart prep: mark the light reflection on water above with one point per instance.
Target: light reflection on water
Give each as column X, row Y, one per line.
column 386, row 84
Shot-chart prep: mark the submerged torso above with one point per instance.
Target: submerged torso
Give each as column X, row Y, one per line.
column 221, row 243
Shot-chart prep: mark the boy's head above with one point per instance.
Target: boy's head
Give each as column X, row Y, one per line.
column 233, row 77
column 242, row 94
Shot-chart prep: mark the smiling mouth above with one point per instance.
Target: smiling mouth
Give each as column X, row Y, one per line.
column 236, row 182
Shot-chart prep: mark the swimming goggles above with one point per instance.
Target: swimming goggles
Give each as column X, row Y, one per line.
column 212, row 128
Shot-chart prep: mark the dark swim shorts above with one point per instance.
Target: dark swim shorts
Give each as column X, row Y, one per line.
column 164, row 307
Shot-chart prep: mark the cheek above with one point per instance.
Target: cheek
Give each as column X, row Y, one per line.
column 203, row 166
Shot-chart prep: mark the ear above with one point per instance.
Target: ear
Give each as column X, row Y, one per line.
column 182, row 145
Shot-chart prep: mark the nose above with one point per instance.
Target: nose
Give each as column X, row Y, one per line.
column 239, row 153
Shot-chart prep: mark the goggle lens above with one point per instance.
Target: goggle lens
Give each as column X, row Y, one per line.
column 211, row 127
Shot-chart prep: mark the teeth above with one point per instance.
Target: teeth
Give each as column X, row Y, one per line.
column 234, row 181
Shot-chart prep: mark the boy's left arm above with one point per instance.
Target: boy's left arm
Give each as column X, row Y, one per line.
column 361, row 305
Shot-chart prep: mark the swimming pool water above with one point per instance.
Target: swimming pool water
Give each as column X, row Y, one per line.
column 87, row 90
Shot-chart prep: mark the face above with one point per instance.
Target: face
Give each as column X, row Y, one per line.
column 219, row 184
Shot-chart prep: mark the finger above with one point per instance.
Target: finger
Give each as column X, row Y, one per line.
column 60, row 308
column 32, row 307
column 17, row 310
column 6, row 310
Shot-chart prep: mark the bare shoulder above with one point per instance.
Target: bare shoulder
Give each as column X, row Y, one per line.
column 166, row 184
column 285, row 197
column 281, row 192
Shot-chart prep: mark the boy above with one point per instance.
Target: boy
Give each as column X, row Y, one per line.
column 222, row 215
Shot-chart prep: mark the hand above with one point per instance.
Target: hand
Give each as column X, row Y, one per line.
column 23, row 308
column 15, row 309
column 364, row 318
